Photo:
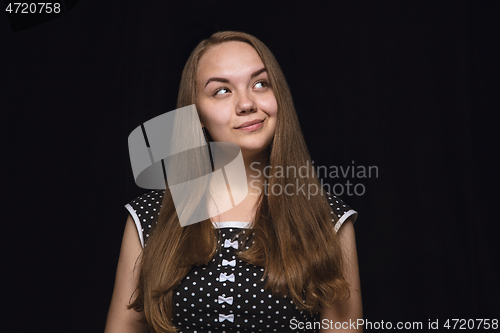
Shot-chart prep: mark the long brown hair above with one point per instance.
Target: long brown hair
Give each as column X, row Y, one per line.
column 293, row 235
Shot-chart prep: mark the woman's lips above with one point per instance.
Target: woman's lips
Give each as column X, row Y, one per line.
column 251, row 127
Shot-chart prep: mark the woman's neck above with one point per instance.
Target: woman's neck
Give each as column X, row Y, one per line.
column 254, row 167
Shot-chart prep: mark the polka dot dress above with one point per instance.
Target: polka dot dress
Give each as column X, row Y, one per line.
column 227, row 294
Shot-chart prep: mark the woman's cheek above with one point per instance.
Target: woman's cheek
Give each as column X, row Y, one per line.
column 270, row 106
column 219, row 124
column 213, row 116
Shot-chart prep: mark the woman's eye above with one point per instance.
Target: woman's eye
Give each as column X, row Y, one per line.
column 221, row 91
column 261, row 84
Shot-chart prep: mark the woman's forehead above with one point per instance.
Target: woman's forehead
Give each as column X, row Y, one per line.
column 229, row 59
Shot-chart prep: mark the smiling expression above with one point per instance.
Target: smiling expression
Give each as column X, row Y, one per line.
column 234, row 98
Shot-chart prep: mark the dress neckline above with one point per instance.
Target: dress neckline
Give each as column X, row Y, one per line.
column 232, row 224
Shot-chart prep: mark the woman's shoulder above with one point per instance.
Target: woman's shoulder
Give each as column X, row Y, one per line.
column 150, row 198
column 340, row 211
column 145, row 210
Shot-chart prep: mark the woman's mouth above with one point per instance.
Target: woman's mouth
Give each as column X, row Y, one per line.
column 251, row 125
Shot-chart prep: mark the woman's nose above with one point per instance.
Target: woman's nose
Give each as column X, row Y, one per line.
column 245, row 104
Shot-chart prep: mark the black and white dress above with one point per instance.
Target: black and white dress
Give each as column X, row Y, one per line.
column 227, row 294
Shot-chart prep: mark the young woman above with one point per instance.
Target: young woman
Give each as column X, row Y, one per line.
column 282, row 260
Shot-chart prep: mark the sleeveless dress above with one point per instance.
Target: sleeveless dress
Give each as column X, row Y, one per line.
column 227, row 294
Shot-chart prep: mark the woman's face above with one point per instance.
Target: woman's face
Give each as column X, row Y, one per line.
column 234, row 99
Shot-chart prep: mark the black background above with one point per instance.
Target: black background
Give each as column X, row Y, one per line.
column 409, row 87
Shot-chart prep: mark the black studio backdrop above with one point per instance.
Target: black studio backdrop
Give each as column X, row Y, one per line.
column 408, row 87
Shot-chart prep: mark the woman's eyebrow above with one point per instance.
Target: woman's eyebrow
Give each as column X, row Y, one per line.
column 218, row 79
column 221, row 79
column 262, row 70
